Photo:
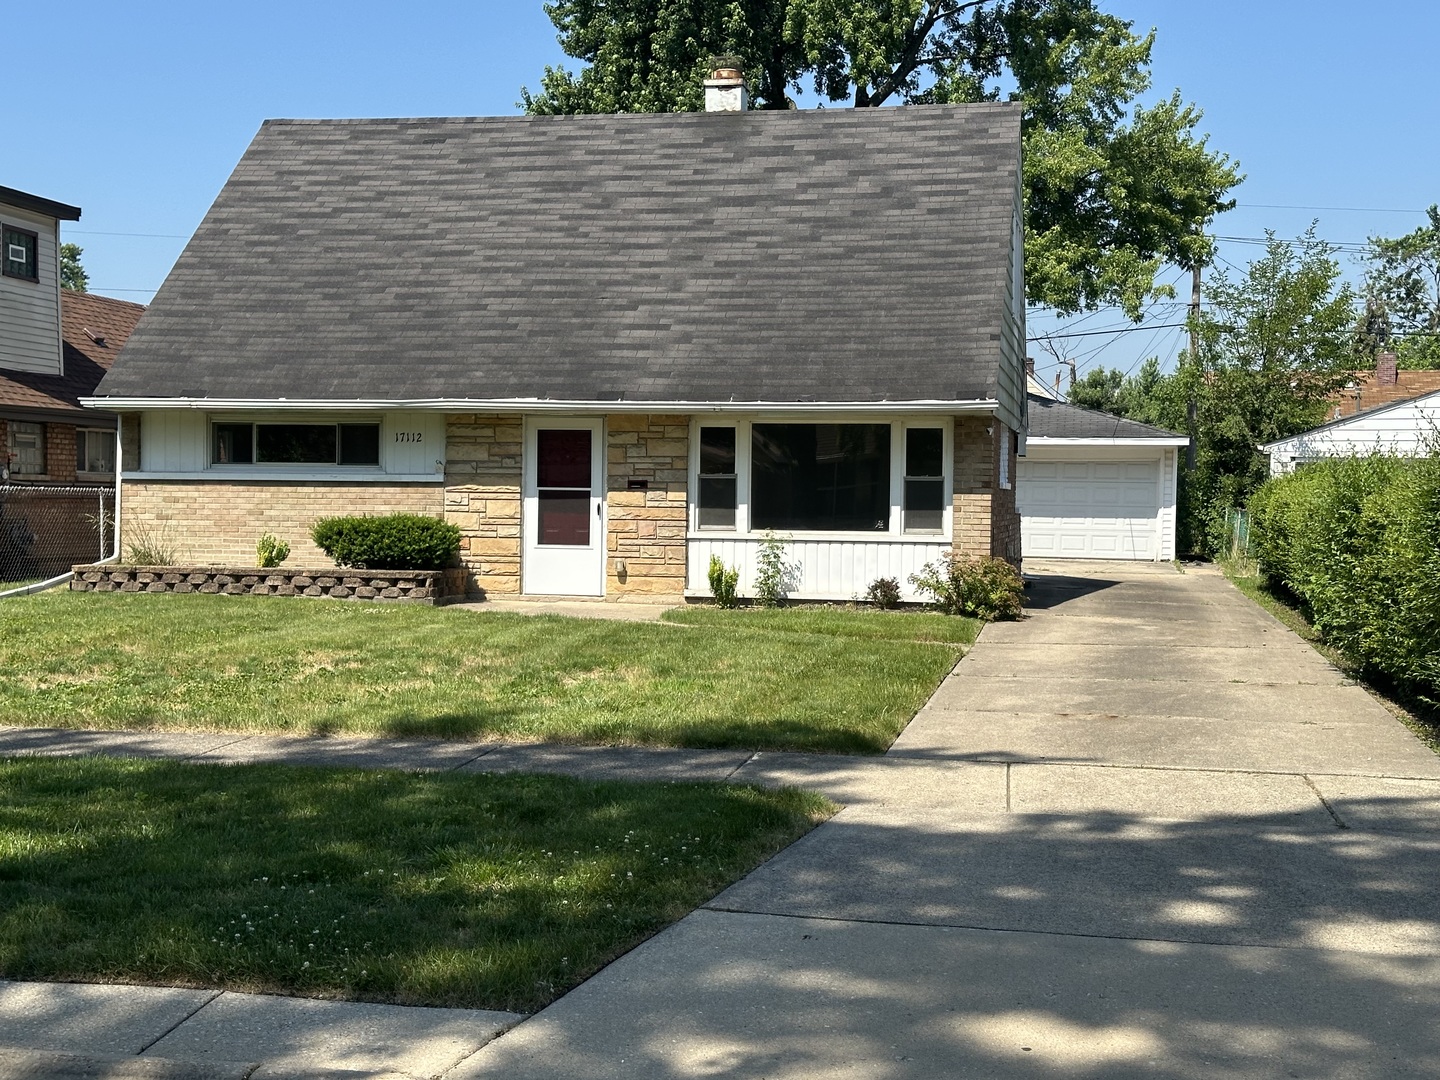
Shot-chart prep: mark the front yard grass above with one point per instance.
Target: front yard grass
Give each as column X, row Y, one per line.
column 496, row 892
column 825, row 680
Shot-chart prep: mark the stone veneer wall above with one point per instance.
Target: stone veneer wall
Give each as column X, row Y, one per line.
column 987, row 521
column 217, row 522
column 645, row 531
column 412, row 586
column 482, row 496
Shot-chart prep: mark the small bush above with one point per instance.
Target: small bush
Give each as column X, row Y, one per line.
column 884, row 593
column 772, row 572
column 723, row 583
column 270, row 551
column 392, row 542
column 989, row 589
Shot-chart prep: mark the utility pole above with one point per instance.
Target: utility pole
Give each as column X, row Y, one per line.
column 1190, row 408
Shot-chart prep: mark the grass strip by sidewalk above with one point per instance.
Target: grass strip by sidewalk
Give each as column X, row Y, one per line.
column 837, row 681
column 495, row 892
column 1422, row 718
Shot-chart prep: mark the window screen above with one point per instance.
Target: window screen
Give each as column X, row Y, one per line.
column 820, row 477
column 924, row 480
column 717, row 498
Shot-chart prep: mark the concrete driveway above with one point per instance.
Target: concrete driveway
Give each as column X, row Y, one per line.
column 1145, row 832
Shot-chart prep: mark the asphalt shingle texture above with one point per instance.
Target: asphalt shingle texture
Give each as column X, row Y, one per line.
column 1060, row 420
column 844, row 255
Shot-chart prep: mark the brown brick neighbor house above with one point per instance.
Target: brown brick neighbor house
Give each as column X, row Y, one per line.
column 608, row 348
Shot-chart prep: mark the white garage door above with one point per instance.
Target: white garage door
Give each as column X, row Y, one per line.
column 1089, row 509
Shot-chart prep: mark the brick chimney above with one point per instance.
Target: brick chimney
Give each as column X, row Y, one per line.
column 1030, row 366
column 1385, row 369
column 725, row 89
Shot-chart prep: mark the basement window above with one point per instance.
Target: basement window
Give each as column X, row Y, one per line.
column 295, row 444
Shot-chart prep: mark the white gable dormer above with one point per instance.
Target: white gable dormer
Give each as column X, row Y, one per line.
column 30, row 282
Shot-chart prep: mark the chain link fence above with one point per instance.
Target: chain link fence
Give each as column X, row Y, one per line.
column 46, row 530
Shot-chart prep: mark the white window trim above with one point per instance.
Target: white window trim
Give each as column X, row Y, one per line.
column 894, row 534
column 108, row 435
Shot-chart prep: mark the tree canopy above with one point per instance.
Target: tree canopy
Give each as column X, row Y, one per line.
column 1114, row 190
column 1402, row 285
column 1275, row 344
column 72, row 274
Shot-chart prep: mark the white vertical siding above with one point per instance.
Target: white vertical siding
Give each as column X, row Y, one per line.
column 173, row 440
column 30, row 310
column 1169, row 461
column 821, row 569
column 413, row 442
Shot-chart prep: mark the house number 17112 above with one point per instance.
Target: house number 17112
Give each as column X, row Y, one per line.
column 409, row 436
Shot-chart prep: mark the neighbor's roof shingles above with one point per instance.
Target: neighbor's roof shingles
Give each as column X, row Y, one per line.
column 853, row 255
column 83, row 317
column 1051, row 419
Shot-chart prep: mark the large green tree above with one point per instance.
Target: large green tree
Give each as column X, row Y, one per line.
column 72, row 274
column 1114, row 190
column 1402, row 285
column 1275, row 344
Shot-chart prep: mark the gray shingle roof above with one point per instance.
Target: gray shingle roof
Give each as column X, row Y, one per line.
column 852, row 255
column 1061, row 420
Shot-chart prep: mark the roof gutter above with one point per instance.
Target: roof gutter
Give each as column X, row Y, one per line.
column 540, row 405
column 1048, row 440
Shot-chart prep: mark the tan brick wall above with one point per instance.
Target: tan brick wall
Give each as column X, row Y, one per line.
column 482, row 495
column 217, row 522
column 645, row 531
column 60, row 453
column 987, row 521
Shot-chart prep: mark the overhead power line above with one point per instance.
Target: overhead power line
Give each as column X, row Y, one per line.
column 1117, row 330
column 1337, row 209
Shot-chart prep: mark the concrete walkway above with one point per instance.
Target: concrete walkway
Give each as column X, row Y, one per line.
column 1169, row 840
column 1146, row 831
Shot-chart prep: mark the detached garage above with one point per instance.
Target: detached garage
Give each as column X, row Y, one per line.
column 1094, row 486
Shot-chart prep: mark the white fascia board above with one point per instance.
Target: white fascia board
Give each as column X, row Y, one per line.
column 546, row 405
column 1169, row 440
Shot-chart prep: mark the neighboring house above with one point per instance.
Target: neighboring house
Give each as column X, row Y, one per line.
column 1096, row 486
column 605, row 347
column 1383, row 386
column 1407, row 428
column 48, row 437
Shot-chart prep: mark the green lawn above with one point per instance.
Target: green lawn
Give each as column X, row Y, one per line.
column 804, row 679
column 495, row 892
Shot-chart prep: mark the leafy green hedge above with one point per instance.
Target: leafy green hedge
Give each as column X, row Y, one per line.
column 391, row 542
column 1357, row 540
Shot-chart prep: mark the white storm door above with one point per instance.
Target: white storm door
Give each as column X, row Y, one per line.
column 564, row 525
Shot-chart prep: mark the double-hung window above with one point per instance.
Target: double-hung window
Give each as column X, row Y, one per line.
column 295, row 444
column 26, row 448
column 19, row 253
column 95, row 451
column 924, row 479
column 718, row 495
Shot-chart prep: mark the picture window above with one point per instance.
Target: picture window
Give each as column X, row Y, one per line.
column 820, row 477
column 295, row 444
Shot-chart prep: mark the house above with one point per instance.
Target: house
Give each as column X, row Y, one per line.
column 1409, row 427
column 1383, row 386
column 1096, row 486
column 607, row 348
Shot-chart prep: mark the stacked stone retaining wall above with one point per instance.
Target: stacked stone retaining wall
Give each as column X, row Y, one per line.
column 412, row 586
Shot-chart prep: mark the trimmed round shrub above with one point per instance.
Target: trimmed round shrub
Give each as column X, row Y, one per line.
column 391, row 542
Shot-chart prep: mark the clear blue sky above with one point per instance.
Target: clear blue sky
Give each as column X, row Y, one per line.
column 137, row 111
